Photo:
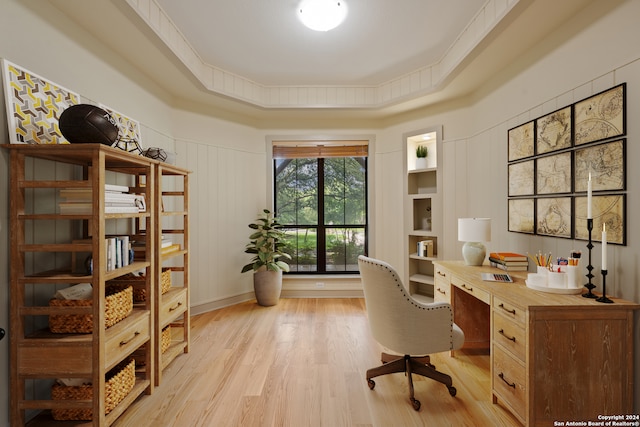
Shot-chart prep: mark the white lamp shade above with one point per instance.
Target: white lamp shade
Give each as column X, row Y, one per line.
column 474, row 229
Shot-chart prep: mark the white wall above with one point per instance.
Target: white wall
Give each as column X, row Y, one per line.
column 595, row 50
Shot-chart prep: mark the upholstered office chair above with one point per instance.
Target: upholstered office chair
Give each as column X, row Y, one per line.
column 410, row 328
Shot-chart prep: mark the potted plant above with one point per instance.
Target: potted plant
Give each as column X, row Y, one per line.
column 267, row 264
column 421, row 156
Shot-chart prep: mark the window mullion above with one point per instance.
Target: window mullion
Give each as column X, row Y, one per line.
column 321, row 234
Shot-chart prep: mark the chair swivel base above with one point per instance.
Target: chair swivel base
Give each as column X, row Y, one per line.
column 410, row 365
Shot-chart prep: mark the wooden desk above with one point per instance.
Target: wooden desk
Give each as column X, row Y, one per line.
column 553, row 357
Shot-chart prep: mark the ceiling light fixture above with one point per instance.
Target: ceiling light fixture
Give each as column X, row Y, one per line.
column 322, row 15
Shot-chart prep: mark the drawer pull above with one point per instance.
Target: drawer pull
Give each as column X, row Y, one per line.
column 501, row 375
column 175, row 307
column 125, row 342
column 512, row 311
column 501, row 332
column 440, row 273
column 441, row 291
column 464, row 286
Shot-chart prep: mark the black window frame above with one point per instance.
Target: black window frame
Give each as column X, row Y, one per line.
column 321, row 227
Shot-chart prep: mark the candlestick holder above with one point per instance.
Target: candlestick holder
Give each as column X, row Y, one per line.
column 604, row 298
column 589, row 285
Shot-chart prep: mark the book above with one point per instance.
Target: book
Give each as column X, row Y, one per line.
column 508, row 256
column 116, row 188
column 509, row 263
column 507, row 267
column 425, row 248
column 76, row 292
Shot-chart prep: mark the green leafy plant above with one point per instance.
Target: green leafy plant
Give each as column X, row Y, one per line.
column 266, row 244
column 421, row 151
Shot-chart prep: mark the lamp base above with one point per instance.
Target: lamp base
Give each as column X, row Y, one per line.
column 473, row 253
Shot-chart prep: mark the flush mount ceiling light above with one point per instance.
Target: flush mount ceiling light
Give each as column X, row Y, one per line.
column 322, row 15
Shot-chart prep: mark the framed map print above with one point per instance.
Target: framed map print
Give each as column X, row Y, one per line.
column 601, row 116
column 521, row 141
column 554, row 217
column 521, row 215
column 609, row 209
column 521, row 179
column 605, row 162
column 553, row 131
column 553, row 174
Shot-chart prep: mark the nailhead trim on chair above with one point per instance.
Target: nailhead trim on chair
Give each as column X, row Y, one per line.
column 408, row 297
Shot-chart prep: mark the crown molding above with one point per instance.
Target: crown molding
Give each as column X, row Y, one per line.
column 415, row 84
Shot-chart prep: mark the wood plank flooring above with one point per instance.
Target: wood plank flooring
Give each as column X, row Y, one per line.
column 302, row 363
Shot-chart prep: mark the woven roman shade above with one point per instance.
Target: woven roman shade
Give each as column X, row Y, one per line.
column 320, row 149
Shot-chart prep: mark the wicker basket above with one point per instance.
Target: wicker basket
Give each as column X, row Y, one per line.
column 119, row 382
column 138, row 283
column 118, row 305
column 165, row 339
column 165, row 280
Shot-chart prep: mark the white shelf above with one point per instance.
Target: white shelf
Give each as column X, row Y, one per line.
column 422, row 209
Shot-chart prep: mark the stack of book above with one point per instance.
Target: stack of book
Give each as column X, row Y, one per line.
column 509, row 261
column 167, row 246
column 117, row 199
column 425, row 248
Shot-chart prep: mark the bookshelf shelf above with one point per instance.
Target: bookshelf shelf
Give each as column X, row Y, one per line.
column 423, row 208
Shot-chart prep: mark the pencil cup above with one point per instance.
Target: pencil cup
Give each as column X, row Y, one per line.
column 574, row 279
column 537, row 279
column 557, row 279
column 543, row 270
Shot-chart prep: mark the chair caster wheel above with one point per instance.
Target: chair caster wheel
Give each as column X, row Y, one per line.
column 371, row 383
column 452, row 390
column 415, row 403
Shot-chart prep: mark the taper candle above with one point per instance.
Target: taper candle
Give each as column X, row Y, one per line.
column 589, row 197
column 604, row 247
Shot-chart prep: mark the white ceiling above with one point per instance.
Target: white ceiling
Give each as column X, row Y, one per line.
column 252, row 60
column 264, row 41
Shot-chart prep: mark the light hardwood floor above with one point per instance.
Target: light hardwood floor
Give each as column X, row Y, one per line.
column 302, row 363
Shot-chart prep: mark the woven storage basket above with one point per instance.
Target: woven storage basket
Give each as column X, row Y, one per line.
column 165, row 339
column 119, row 382
column 138, row 283
column 165, row 280
column 118, row 305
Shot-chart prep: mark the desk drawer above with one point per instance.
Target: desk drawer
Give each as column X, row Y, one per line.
column 442, row 287
column 509, row 381
column 509, row 310
column 471, row 289
column 173, row 304
column 130, row 335
column 508, row 334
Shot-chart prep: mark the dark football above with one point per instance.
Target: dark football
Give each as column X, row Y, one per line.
column 88, row 123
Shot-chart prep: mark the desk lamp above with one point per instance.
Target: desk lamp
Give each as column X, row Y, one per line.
column 474, row 231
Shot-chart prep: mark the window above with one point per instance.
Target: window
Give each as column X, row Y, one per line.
column 321, row 201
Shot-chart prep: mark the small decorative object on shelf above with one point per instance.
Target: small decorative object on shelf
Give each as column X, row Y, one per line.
column 421, row 156
column 129, row 145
